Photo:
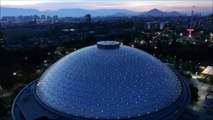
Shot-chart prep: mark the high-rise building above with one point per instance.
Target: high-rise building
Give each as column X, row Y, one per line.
column 104, row 81
column 43, row 17
column 55, row 17
column 88, row 18
column 2, row 39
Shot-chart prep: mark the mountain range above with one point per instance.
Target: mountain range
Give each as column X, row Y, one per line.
column 156, row 12
column 76, row 12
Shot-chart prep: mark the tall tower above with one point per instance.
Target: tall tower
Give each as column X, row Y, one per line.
column 190, row 29
column 88, row 18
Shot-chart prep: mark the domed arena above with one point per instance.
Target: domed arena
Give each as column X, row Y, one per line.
column 104, row 81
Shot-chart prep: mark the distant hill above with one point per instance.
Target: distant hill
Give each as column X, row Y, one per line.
column 74, row 12
column 156, row 12
column 18, row 11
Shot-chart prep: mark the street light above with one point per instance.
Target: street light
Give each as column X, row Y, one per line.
column 14, row 73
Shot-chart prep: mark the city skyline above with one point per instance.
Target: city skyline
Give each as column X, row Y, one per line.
column 134, row 5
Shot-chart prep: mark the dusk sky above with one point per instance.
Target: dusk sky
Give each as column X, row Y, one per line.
column 134, row 5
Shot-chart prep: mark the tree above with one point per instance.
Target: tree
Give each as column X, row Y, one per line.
column 2, row 109
column 194, row 93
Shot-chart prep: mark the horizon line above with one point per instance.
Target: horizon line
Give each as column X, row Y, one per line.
column 13, row 7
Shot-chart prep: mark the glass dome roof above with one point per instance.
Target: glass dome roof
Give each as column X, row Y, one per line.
column 108, row 81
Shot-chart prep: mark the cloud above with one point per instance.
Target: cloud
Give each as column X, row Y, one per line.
column 24, row 2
